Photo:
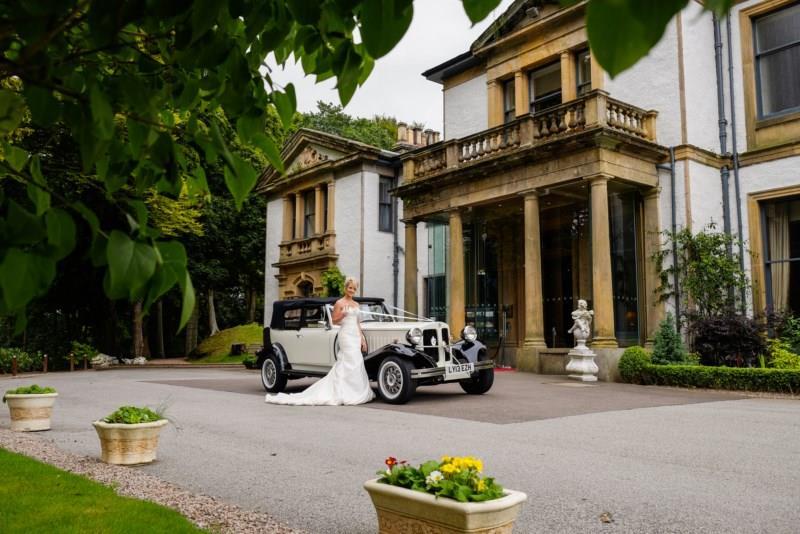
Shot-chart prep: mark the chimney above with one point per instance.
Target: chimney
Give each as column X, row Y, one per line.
column 417, row 136
column 402, row 132
column 428, row 137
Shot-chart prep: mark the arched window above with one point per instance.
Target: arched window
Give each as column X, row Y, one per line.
column 305, row 288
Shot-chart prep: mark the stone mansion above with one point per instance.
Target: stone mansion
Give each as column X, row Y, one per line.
column 552, row 181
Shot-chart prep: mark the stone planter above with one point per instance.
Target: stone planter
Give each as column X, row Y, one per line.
column 404, row 511
column 31, row 413
column 128, row 444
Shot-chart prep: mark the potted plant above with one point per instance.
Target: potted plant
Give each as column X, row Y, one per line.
column 30, row 407
column 129, row 436
column 450, row 496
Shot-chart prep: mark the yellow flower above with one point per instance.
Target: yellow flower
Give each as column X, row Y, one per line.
column 480, row 486
column 446, row 459
column 449, row 469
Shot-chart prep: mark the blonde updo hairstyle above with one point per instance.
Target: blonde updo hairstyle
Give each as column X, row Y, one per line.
column 350, row 280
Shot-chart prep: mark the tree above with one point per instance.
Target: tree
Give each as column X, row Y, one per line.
column 139, row 85
column 668, row 346
column 378, row 131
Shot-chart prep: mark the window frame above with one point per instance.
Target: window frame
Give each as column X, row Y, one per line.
column 587, row 85
column 382, row 205
column 309, row 211
column 532, row 87
column 758, row 55
column 509, row 112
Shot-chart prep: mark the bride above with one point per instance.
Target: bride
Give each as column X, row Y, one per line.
column 347, row 381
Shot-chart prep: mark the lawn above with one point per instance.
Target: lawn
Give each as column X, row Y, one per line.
column 36, row 497
column 217, row 348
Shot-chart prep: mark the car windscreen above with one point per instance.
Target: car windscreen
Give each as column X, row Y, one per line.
column 374, row 311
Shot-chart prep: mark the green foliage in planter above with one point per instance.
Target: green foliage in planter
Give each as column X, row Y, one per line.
column 332, row 282
column 668, row 344
column 632, row 364
column 781, row 355
column 732, row 378
column 249, row 362
column 132, row 415
column 33, row 389
column 26, row 361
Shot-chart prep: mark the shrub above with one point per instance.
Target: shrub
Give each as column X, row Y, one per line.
column 781, row 356
column 33, row 389
column 727, row 339
column 731, row 378
column 786, row 327
column 26, row 361
column 249, row 362
column 632, row 365
column 332, row 282
column 131, row 415
column 83, row 350
column 668, row 344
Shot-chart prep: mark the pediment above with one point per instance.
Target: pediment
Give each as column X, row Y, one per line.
column 519, row 14
column 309, row 155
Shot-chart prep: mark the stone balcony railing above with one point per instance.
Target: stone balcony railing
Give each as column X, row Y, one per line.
column 596, row 109
column 307, row 247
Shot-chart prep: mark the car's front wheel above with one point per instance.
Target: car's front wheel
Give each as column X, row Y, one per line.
column 480, row 384
column 272, row 376
column 395, row 385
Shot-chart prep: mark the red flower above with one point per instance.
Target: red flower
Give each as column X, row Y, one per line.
column 391, row 461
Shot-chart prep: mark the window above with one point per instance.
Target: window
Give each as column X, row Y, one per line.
column 314, row 318
column 385, row 211
column 776, row 43
column 293, row 231
column 545, row 87
column 291, row 319
column 583, row 72
column 325, row 208
column 308, row 213
column 509, row 112
column 781, row 236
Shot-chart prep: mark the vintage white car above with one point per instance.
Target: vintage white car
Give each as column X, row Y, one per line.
column 301, row 341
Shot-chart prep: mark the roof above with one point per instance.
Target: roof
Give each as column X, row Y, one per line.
column 281, row 306
column 451, row 67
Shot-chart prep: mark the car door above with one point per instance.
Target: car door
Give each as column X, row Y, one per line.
column 315, row 340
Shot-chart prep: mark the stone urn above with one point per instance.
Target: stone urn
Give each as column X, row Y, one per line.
column 30, row 412
column 405, row 511
column 129, row 444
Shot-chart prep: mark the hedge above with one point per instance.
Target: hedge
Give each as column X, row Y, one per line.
column 733, row 378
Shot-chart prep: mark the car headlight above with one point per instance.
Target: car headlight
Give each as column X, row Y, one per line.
column 469, row 334
column 414, row 336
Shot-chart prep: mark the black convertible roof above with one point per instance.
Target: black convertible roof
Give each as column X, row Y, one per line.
column 280, row 306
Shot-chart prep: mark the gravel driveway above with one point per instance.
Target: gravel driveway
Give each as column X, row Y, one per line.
column 603, row 458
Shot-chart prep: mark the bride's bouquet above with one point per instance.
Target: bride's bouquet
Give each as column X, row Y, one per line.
column 458, row 478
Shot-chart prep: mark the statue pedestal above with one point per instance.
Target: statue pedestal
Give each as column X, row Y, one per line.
column 581, row 363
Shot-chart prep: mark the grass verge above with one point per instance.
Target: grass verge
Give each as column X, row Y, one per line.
column 36, row 497
column 217, row 348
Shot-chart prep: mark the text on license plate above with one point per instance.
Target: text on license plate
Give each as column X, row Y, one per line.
column 460, row 368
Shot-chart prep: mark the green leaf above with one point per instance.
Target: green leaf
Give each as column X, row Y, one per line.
column 45, row 109
column 22, row 227
column 60, row 232
column 623, row 31
column 270, row 149
column 130, row 265
column 188, row 302
column 385, row 22
column 204, row 16
column 23, row 276
column 286, row 104
column 89, row 216
column 36, row 191
column 102, row 114
column 249, row 125
column 477, row 10
column 16, row 157
column 171, row 270
column 240, row 180
column 305, row 11
column 12, row 108
column 138, row 135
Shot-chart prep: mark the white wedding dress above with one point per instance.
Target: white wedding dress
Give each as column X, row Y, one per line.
column 346, row 382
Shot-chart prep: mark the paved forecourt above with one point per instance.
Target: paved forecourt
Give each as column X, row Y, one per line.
column 649, row 459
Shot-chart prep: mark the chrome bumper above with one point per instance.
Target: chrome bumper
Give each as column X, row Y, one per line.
column 439, row 371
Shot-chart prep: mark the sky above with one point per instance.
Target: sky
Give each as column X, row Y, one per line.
column 440, row 30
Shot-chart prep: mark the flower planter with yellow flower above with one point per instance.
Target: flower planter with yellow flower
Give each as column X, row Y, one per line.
column 445, row 497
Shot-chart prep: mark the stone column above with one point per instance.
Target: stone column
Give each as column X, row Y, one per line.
column 534, row 314
column 331, row 203
column 410, row 284
column 654, row 308
column 298, row 215
column 455, row 308
column 288, row 212
column 495, row 98
column 568, row 87
column 522, row 100
column 601, row 265
column 318, row 210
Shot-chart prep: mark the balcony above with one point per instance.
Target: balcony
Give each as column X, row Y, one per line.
column 594, row 111
column 307, row 249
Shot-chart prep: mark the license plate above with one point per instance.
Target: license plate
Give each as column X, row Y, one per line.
column 458, row 371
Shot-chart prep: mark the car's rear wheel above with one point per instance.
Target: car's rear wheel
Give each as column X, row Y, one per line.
column 272, row 376
column 480, row 384
column 395, row 385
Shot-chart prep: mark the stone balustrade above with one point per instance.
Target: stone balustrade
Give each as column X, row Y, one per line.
column 300, row 249
column 593, row 110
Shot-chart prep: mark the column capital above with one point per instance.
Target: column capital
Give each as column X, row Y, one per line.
column 651, row 193
column 598, row 178
column 453, row 212
column 530, row 193
column 493, row 83
column 318, row 187
column 409, row 222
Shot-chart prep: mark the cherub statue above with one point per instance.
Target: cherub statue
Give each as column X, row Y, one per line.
column 582, row 327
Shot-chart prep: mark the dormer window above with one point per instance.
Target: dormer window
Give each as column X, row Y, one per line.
column 509, row 108
column 583, row 72
column 545, row 87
